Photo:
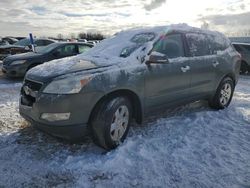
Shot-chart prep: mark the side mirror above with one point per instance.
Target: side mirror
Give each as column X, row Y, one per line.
column 157, row 58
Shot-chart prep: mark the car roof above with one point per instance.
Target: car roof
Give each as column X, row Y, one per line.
column 174, row 28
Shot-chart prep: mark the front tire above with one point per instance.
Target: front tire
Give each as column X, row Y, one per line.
column 111, row 122
column 223, row 95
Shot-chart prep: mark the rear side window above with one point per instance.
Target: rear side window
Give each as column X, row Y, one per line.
column 217, row 43
column 83, row 48
column 170, row 45
column 67, row 50
column 199, row 45
column 206, row 44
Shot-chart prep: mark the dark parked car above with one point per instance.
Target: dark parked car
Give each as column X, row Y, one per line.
column 244, row 50
column 129, row 76
column 18, row 65
column 22, row 46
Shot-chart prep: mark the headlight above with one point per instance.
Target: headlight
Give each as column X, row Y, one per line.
column 18, row 62
column 68, row 85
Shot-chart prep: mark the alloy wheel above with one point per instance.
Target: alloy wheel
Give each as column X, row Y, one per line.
column 226, row 93
column 119, row 123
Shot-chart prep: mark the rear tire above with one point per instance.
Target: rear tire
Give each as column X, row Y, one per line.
column 111, row 121
column 223, row 95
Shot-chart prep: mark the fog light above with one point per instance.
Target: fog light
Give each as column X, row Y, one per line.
column 55, row 116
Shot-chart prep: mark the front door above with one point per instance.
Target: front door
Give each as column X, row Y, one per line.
column 168, row 83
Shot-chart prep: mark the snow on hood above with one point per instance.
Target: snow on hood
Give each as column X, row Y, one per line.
column 104, row 54
column 60, row 66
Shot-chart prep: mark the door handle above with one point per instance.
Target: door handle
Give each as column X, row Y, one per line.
column 216, row 63
column 185, row 69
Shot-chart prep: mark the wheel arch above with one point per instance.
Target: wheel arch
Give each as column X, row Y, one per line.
column 132, row 96
column 229, row 75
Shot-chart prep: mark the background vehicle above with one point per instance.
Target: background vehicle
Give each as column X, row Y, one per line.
column 244, row 50
column 2, row 42
column 105, row 88
column 22, row 46
column 18, row 65
column 10, row 40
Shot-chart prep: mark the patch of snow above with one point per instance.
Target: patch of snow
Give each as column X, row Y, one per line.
column 54, row 66
column 8, row 86
column 158, row 54
column 190, row 146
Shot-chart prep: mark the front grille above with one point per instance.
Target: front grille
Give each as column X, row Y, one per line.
column 29, row 92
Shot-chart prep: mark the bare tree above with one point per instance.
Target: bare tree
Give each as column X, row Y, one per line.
column 60, row 36
column 91, row 36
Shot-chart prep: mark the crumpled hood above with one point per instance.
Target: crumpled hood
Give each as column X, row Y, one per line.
column 63, row 66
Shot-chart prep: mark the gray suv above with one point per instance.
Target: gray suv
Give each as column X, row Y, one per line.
column 128, row 77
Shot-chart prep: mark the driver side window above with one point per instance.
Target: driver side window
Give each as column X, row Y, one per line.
column 170, row 45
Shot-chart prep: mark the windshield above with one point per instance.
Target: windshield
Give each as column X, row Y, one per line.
column 47, row 49
column 121, row 45
column 23, row 42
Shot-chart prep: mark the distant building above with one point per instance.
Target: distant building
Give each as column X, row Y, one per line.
column 240, row 39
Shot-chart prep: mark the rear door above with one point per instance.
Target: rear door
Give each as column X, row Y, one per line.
column 170, row 82
column 203, row 64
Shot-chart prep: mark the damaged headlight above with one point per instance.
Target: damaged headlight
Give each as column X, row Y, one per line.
column 67, row 85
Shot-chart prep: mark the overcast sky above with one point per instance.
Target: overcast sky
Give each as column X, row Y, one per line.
column 51, row 17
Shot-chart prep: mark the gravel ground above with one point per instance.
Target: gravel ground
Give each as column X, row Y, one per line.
column 190, row 146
